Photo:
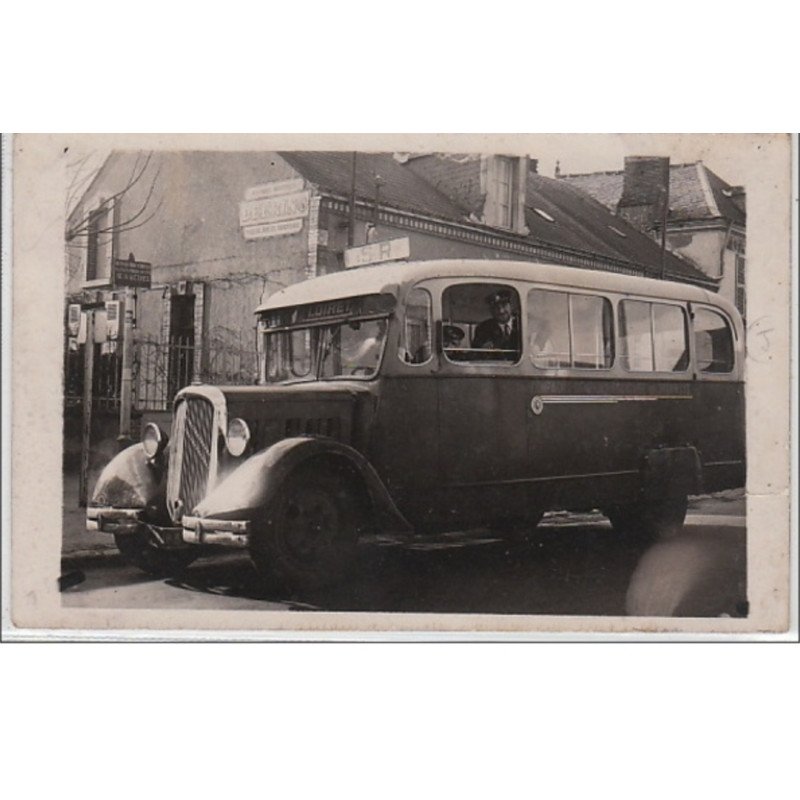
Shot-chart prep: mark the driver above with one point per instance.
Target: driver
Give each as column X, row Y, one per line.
column 501, row 331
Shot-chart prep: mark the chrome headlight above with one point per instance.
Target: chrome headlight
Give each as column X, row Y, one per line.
column 154, row 440
column 237, row 437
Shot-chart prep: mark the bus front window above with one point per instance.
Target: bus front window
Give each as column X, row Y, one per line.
column 353, row 348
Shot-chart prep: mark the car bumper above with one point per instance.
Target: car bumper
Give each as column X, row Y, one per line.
column 227, row 532
column 113, row 520
column 193, row 530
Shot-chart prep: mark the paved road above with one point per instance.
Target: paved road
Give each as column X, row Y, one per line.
column 572, row 566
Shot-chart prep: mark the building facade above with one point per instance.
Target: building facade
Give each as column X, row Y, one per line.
column 706, row 217
column 221, row 231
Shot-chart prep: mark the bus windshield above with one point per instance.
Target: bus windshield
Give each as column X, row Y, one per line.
column 351, row 348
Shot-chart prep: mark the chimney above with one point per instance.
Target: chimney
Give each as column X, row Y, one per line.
column 645, row 192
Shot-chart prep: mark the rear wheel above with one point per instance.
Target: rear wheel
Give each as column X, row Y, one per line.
column 137, row 550
column 307, row 539
column 656, row 519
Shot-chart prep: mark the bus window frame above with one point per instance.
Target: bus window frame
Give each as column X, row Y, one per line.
column 402, row 306
column 436, row 285
column 569, row 291
column 685, row 374
column 441, row 285
column 735, row 373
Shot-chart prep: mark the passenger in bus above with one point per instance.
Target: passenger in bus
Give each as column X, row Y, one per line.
column 363, row 360
column 501, row 331
column 452, row 337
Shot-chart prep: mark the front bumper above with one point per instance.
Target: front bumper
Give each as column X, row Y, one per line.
column 193, row 530
column 113, row 520
column 204, row 530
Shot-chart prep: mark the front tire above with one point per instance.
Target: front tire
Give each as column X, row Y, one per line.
column 307, row 538
column 137, row 550
column 650, row 520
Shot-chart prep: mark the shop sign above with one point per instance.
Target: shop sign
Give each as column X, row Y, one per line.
column 274, row 209
column 272, row 229
column 274, row 189
column 377, row 252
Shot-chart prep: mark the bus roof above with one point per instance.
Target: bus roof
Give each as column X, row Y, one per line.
column 387, row 278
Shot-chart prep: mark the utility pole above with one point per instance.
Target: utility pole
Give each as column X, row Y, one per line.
column 664, row 214
column 351, row 220
column 126, row 385
column 86, row 429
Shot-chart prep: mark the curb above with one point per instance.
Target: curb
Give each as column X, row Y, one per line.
column 78, row 558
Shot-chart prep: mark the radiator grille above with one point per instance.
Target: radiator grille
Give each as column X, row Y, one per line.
column 190, row 458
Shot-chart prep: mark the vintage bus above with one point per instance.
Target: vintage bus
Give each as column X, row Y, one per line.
column 424, row 397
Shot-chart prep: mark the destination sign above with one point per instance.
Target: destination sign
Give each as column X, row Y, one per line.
column 330, row 311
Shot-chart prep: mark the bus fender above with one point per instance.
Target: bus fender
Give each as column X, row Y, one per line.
column 253, row 485
column 132, row 480
column 672, row 472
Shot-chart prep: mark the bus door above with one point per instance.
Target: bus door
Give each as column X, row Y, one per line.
column 483, row 399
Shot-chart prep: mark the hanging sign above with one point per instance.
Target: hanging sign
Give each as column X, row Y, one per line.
column 128, row 272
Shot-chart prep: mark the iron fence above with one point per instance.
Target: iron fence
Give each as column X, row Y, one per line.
column 159, row 371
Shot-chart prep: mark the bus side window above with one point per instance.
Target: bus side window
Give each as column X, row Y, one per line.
column 548, row 328
column 713, row 342
column 653, row 337
column 570, row 330
column 415, row 345
column 670, row 342
column 481, row 323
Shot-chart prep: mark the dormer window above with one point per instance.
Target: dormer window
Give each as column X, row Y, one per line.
column 505, row 192
column 503, row 181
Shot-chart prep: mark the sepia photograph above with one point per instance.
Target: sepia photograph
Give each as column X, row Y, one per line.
column 419, row 383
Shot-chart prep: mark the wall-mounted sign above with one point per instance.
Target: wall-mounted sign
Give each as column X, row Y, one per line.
column 272, row 229
column 274, row 189
column 128, row 272
column 377, row 252
column 274, row 209
column 74, row 318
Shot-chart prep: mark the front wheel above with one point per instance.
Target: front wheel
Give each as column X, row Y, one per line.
column 307, row 539
column 137, row 550
column 656, row 519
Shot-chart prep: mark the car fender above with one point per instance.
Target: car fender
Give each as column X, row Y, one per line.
column 131, row 480
column 253, row 485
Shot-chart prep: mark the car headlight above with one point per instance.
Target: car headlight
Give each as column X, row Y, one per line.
column 237, row 437
column 154, row 440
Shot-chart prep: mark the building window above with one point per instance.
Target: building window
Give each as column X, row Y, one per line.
column 740, row 291
column 99, row 235
column 505, row 192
